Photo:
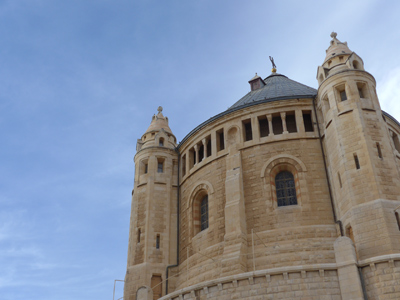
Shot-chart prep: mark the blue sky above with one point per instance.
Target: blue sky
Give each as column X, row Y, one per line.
column 79, row 82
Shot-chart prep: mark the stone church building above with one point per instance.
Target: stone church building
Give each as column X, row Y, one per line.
column 291, row 193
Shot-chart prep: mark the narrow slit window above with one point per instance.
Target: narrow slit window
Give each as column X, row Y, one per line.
column 356, row 161
column 264, row 127
column 339, row 179
column 161, row 142
column 158, row 241
column 343, row 96
column 248, row 133
column 360, row 92
column 160, row 166
column 146, row 166
column 138, row 235
column 378, row 147
column 308, row 124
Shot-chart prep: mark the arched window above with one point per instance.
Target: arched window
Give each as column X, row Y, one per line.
column 285, row 189
column 204, row 213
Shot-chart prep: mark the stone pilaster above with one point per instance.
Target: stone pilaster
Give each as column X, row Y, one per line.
column 235, row 250
column 271, row 129
column 349, row 278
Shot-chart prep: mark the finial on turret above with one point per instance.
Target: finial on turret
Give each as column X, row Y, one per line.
column 159, row 109
column 333, row 35
column 273, row 64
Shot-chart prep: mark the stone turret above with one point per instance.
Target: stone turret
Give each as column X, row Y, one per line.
column 360, row 160
column 152, row 238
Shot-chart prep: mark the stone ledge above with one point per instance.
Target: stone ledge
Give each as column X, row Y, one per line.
column 379, row 259
column 250, row 276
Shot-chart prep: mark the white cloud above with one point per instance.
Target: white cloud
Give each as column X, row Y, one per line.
column 389, row 93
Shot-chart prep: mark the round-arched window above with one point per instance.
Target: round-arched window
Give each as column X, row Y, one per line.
column 204, row 213
column 285, row 189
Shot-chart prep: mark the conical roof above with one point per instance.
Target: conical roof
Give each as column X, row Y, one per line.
column 159, row 122
column 277, row 87
column 336, row 47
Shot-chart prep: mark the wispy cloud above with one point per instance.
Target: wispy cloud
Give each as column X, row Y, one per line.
column 389, row 93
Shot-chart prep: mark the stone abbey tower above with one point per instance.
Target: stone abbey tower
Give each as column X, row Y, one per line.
column 291, row 193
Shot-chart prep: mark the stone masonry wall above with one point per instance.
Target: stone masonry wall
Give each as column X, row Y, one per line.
column 207, row 242
column 382, row 280
column 300, row 284
column 291, row 235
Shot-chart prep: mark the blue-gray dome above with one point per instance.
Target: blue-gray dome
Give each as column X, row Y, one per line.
column 277, row 87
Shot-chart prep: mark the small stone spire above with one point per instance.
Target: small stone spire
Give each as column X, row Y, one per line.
column 159, row 122
column 336, row 47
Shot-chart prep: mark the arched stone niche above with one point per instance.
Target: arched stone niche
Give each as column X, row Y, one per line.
column 144, row 293
column 233, row 136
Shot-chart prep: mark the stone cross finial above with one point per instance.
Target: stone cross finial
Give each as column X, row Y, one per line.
column 333, row 35
column 272, row 61
column 159, row 109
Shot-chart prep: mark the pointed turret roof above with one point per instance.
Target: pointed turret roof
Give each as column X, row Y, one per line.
column 336, row 47
column 159, row 122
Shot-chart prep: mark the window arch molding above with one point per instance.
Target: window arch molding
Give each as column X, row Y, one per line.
column 198, row 193
column 162, row 135
column 278, row 164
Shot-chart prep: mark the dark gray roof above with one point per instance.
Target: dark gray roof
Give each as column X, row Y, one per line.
column 277, row 87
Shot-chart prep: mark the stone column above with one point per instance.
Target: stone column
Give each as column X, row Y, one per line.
column 205, row 148
column 283, row 117
column 271, row 129
column 256, row 129
column 214, row 143
column 349, row 278
column 299, row 120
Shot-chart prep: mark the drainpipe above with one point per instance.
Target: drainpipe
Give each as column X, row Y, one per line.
column 362, row 283
column 327, row 174
column 177, row 227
